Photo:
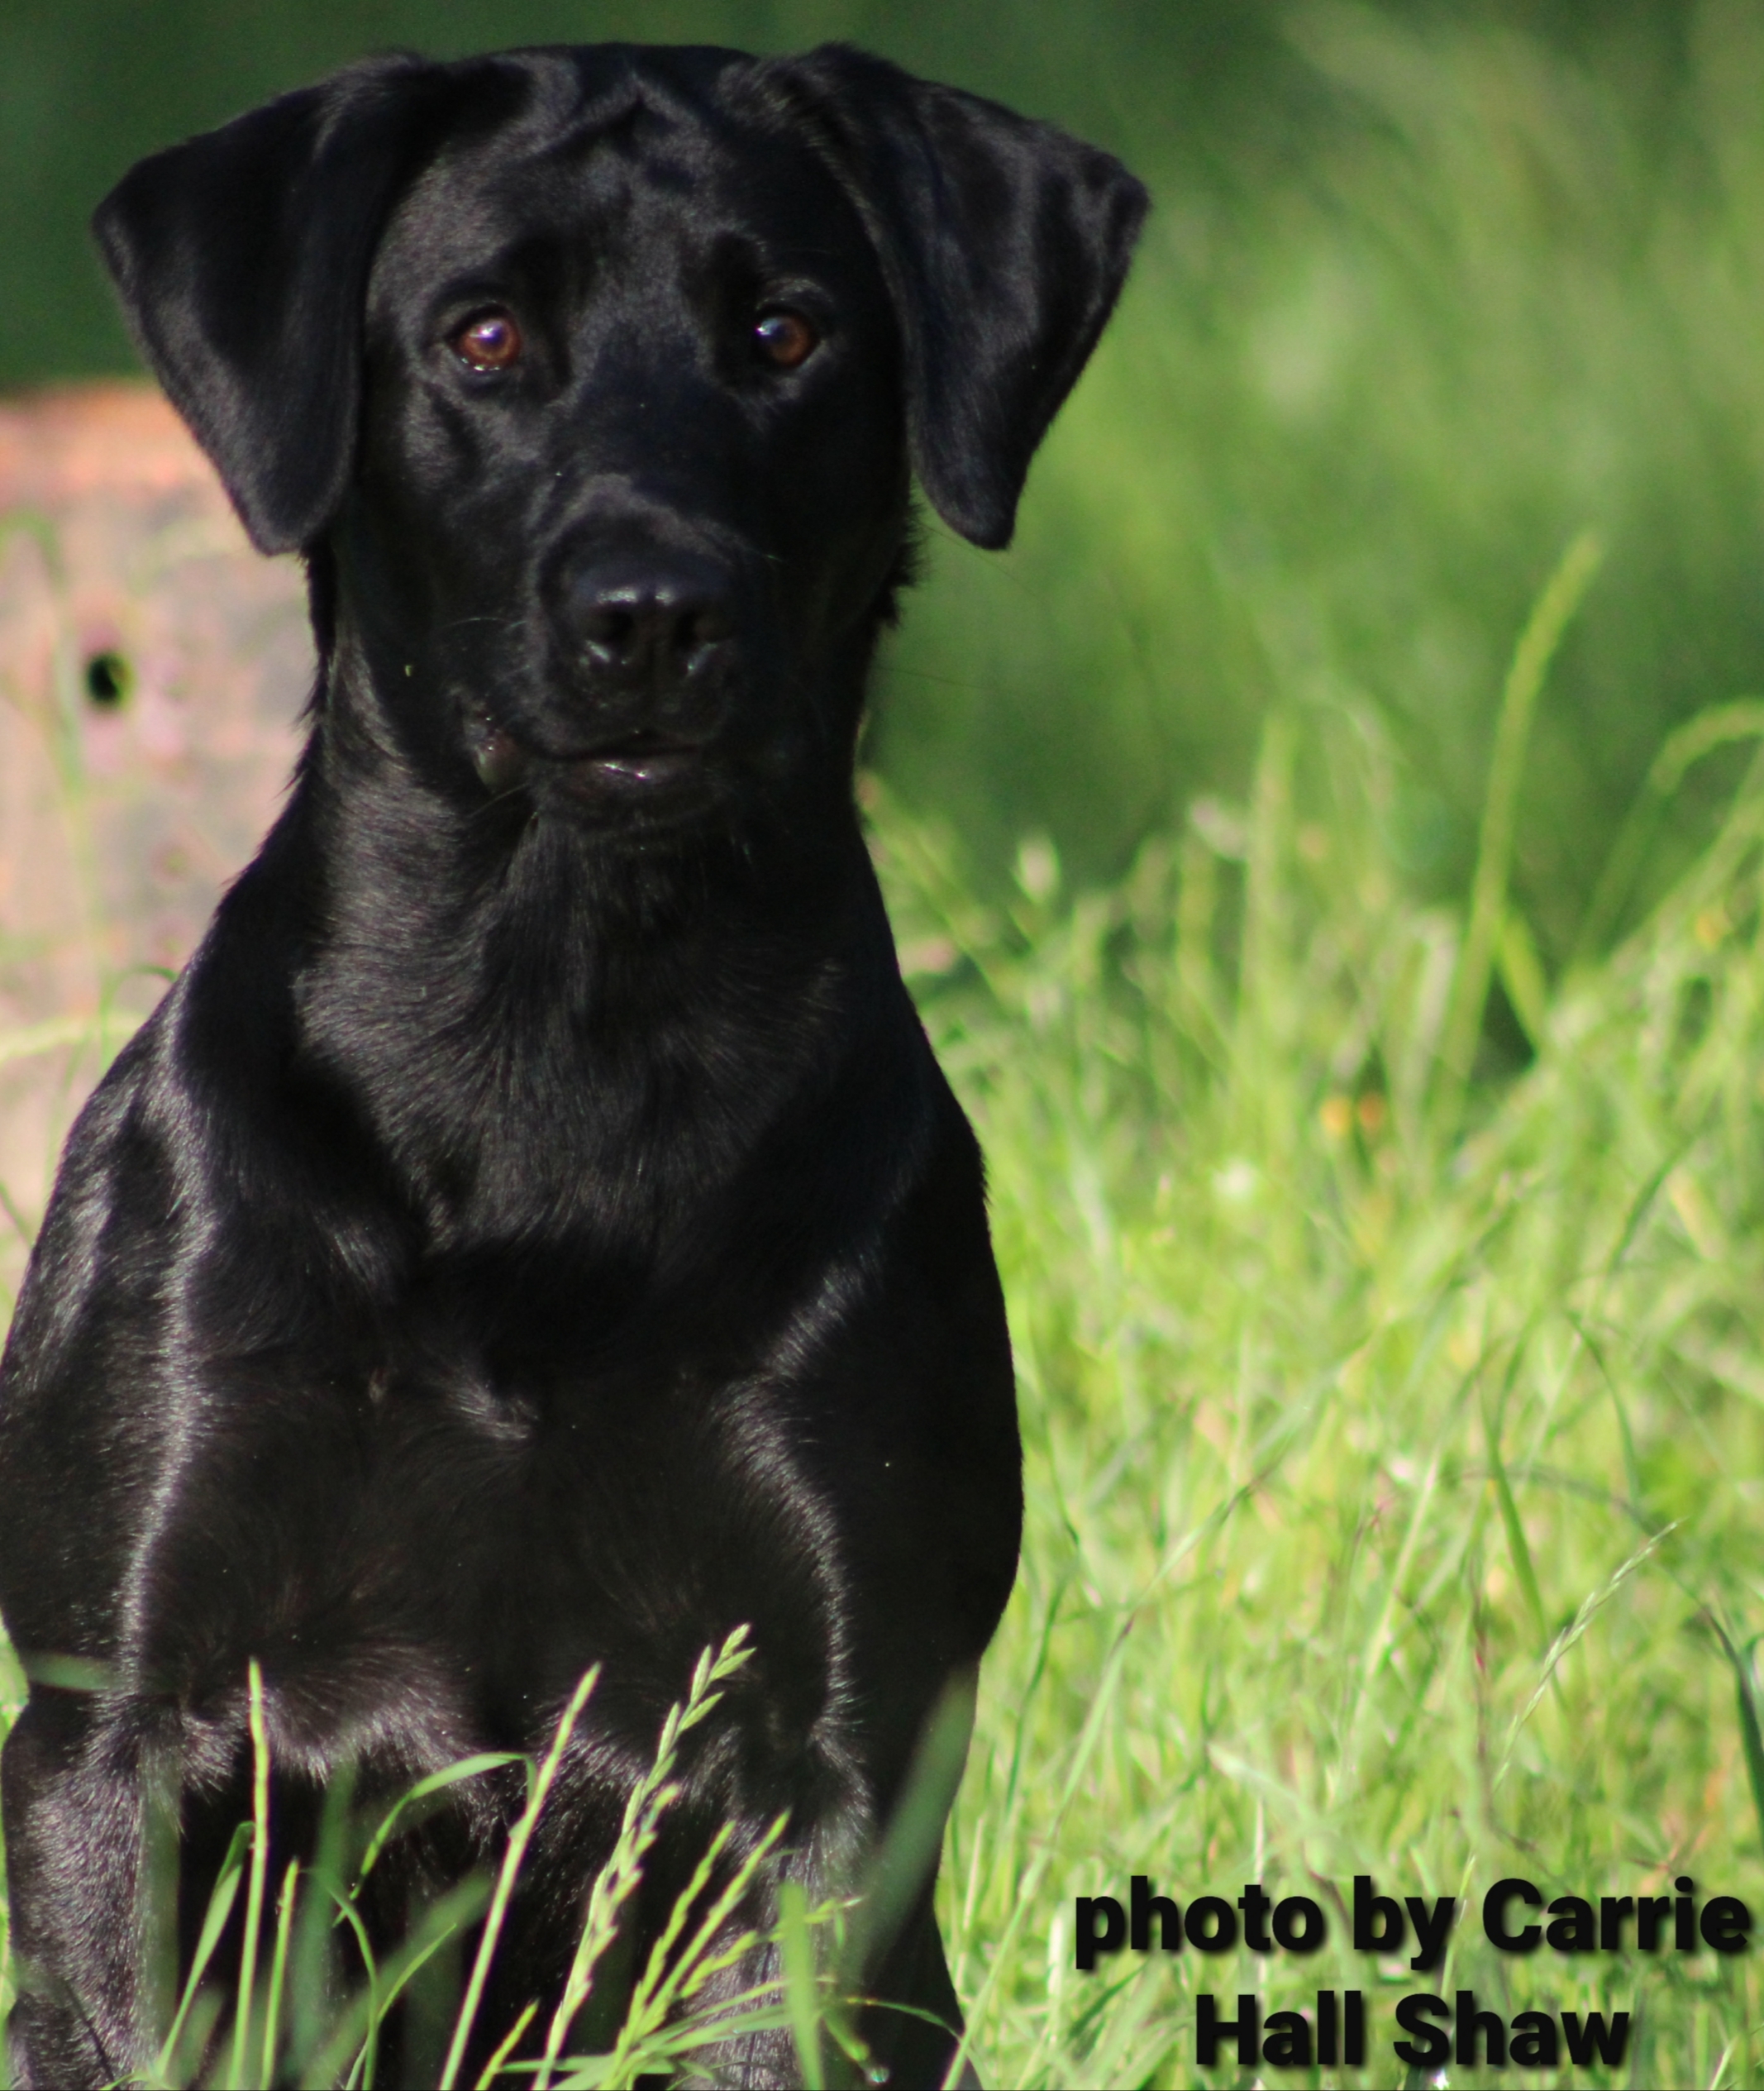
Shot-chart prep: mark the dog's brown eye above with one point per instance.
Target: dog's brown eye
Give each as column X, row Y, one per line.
column 785, row 339
column 491, row 341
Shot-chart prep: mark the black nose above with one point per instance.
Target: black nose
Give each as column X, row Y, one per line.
column 650, row 622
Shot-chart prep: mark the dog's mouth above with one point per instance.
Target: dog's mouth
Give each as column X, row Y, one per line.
column 636, row 762
column 643, row 760
column 640, row 760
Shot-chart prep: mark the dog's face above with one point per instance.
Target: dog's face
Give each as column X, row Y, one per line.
column 589, row 379
column 633, row 466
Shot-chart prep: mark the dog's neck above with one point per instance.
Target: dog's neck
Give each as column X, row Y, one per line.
column 509, row 997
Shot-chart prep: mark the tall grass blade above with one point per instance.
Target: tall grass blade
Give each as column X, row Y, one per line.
column 1265, row 1011
column 353, row 2030
column 1518, row 1549
column 1750, row 1732
column 285, row 1932
column 519, row 1838
column 436, row 1783
column 1590, row 1607
column 310, row 2008
column 1522, row 974
column 644, row 1807
column 1741, row 719
column 907, row 1855
column 801, row 1987
column 1560, row 598
column 510, row 2039
column 240, row 2078
column 360, row 2076
column 221, row 1900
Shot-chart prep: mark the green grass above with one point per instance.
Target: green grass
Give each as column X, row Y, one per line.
column 1426, row 290
column 1394, row 1492
column 1395, row 1426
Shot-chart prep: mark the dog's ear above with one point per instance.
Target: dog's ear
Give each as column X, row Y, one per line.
column 242, row 258
column 1005, row 244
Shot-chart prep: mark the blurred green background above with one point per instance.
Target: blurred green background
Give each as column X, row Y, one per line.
column 1427, row 290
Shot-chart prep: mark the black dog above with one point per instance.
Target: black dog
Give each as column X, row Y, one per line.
column 534, row 1232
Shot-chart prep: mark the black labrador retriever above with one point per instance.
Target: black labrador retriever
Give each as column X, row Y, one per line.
column 534, row 1232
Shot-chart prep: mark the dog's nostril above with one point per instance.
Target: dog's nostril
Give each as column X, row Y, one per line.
column 697, row 631
column 663, row 621
column 610, row 630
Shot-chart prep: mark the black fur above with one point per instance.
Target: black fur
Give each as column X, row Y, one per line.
column 533, row 1232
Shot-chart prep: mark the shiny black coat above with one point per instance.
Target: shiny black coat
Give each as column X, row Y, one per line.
column 534, row 1232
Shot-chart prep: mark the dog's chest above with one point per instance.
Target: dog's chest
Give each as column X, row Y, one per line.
column 442, row 1547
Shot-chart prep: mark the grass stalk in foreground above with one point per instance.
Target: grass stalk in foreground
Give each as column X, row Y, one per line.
column 241, row 2078
column 1562, row 597
column 675, row 2008
column 519, row 1837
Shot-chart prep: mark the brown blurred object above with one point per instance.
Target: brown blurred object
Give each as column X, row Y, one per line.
column 152, row 667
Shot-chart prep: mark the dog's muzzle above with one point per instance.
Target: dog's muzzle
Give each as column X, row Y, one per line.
column 644, row 648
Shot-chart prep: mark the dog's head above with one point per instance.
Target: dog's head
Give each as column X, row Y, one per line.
column 592, row 376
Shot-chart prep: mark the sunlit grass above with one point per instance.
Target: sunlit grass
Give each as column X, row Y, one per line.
column 1394, row 1494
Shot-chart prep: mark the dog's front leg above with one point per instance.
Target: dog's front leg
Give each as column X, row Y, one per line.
column 75, row 1797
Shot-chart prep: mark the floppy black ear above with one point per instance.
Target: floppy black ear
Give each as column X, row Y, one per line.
column 242, row 258
column 1005, row 243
